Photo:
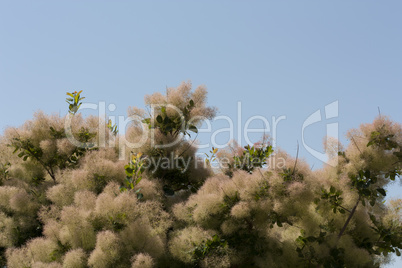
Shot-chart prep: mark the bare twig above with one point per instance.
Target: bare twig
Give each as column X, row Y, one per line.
column 345, row 208
column 188, row 147
column 353, row 139
column 349, row 218
column 297, row 156
column 262, row 175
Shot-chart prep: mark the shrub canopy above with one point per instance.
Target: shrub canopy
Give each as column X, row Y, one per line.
column 65, row 204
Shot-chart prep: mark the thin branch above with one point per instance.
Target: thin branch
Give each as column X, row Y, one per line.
column 223, row 191
column 49, row 170
column 188, row 146
column 353, row 139
column 262, row 175
column 397, row 162
column 297, row 156
column 349, row 218
column 344, row 208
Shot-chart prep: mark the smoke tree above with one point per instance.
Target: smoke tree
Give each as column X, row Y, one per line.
column 98, row 202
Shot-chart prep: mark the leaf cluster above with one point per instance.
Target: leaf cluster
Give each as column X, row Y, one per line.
column 363, row 182
column 26, row 150
column 389, row 238
column 252, row 157
column 134, row 170
column 173, row 124
column 334, row 198
column 74, row 101
column 216, row 245
column 112, row 128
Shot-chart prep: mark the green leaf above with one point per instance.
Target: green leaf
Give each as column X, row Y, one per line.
column 167, row 190
column 382, row 191
column 193, row 128
column 372, row 218
column 366, row 192
column 332, row 190
column 398, row 154
column 191, row 103
column 372, row 202
column 138, row 180
column 129, row 172
column 166, row 120
column 159, row 119
column 311, row 239
column 398, row 253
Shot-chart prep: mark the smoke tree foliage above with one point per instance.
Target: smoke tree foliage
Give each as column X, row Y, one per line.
column 69, row 205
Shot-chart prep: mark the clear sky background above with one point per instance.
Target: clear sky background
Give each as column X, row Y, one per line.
column 279, row 58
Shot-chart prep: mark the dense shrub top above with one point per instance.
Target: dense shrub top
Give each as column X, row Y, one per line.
column 74, row 194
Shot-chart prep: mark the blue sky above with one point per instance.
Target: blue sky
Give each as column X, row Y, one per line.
column 279, row 58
